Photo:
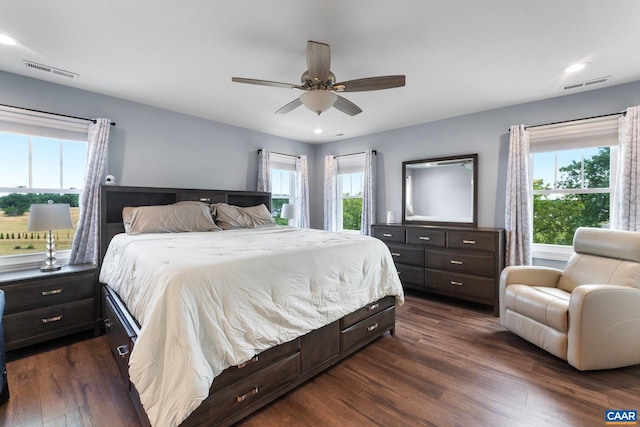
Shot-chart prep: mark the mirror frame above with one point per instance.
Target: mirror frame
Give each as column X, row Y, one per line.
column 474, row 223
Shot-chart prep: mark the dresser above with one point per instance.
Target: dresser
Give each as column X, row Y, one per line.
column 42, row 306
column 460, row 262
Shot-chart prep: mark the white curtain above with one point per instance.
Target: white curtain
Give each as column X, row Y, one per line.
column 264, row 170
column 331, row 193
column 369, row 193
column 301, row 191
column 86, row 247
column 518, row 221
column 625, row 215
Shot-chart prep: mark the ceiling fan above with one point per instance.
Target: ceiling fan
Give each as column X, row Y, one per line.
column 320, row 87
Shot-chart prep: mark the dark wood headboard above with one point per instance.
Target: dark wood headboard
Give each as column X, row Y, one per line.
column 113, row 198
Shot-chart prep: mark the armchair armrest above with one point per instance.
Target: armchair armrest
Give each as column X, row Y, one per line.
column 604, row 327
column 526, row 275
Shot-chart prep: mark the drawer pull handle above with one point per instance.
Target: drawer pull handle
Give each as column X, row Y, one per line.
column 244, row 396
column 373, row 306
column 372, row 327
column 51, row 292
column 456, row 283
column 424, row 238
column 387, row 235
column 395, row 254
column 469, row 242
column 107, row 323
column 52, row 319
column 399, row 273
column 254, row 359
column 453, row 261
column 122, row 350
column 205, row 199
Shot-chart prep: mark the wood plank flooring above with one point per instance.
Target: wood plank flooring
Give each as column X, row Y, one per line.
column 449, row 364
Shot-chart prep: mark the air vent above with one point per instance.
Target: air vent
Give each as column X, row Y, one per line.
column 50, row 70
column 588, row 83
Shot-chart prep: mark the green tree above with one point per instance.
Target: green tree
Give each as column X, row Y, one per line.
column 556, row 218
column 16, row 204
column 351, row 213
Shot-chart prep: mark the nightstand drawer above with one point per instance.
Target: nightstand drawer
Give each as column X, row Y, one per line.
column 48, row 291
column 31, row 324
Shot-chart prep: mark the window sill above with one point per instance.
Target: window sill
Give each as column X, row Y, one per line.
column 31, row 261
column 552, row 252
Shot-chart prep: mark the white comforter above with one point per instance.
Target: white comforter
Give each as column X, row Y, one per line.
column 207, row 301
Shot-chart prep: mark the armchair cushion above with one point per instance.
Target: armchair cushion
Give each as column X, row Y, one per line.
column 545, row 305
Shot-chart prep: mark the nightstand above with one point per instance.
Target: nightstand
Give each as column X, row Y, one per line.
column 42, row 306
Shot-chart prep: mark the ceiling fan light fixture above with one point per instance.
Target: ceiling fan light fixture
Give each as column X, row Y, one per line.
column 318, row 101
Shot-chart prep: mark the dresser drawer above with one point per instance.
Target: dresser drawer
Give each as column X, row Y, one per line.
column 426, row 237
column 471, row 240
column 48, row 291
column 367, row 329
column 389, row 234
column 462, row 262
column 465, row 286
column 257, row 363
column 52, row 319
column 254, row 388
column 369, row 310
column 404, row 254
column 410, row 275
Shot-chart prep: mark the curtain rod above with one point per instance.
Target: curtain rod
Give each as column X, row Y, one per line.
column 53, row 114
column 353, row 154
column 281, row 154
column 622, row 113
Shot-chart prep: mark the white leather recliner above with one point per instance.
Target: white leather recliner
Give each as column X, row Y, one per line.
column 587, row 314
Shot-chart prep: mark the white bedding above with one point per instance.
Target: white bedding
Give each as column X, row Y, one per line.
column 210, row 300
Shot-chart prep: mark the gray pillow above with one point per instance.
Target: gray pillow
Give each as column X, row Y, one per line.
column 175, row 218
column 230, row 216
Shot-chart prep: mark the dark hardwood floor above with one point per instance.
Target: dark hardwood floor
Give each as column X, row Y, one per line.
column 449, row 364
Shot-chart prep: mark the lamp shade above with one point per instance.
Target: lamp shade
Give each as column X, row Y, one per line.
column 289, row 211
column 318, row 101
column 49, row 216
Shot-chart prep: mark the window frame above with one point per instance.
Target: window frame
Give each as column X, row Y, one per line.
column 342, row 198
column 578, row 134
column 35, row 124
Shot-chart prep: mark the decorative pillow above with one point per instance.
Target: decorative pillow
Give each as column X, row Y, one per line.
column 230, row 216
column 175, row 218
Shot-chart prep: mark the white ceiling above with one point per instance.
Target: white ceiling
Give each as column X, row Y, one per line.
column 459, row 56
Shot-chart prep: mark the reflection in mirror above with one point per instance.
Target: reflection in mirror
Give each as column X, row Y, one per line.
column 441, row 191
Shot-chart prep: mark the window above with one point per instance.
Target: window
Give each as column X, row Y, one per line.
column 40, row 162
column 283, row 174
column 573, row 166
column 350, row 191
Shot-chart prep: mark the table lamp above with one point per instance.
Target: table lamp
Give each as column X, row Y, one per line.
column 47, row 217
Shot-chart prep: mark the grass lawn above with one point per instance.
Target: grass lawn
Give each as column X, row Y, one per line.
column 22, row 245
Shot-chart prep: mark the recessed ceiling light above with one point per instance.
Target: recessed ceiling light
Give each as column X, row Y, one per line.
column 576, row 67
column 317, row 131
column 5, row 39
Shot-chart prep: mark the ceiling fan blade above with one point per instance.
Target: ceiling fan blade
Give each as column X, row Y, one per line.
column 265, row 83
column 318, row 61
column 370, row 83
column 290, row 106
column 346, row 106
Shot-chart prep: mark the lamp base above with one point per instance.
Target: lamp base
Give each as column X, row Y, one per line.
column 46, row 268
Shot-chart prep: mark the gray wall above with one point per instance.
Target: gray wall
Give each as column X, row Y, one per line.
column 155, row 147
column 485, row 133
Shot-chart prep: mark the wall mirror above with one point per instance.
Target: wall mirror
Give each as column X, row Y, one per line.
column 441, row 191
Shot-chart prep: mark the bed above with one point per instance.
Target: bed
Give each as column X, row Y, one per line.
column 210, row 326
